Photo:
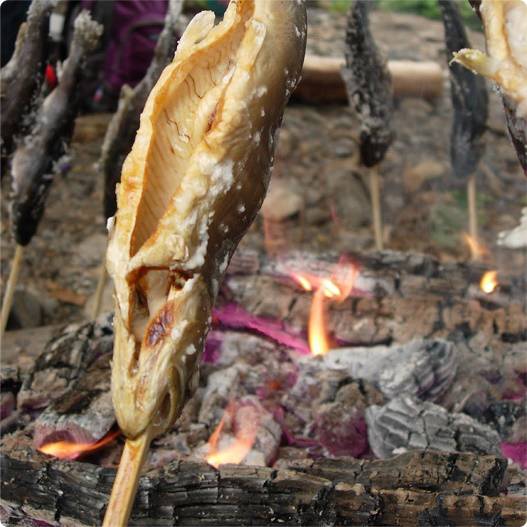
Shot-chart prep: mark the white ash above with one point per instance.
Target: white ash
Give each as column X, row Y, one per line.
column 407, row 422
column 424, row 368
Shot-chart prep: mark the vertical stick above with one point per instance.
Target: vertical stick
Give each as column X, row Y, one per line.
column 472, row 208
column 126, row 481
column 375, row 194
column 10, row 287
column 99, row 291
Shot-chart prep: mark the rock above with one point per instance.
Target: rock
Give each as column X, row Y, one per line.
column 281, row 201
column 90, row 252
column 406, row 423
column 29, row 309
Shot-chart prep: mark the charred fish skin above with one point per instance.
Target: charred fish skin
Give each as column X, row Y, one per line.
column 32, row 164
column 125, row 122
column 505, row 62
column 369, row 85
column 469, row 98
column 21, row 76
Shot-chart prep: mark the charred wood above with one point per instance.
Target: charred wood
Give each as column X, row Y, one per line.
column 419, row 488
column 407, row 423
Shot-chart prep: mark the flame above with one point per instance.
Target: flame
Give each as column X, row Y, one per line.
column 70, row 450
column 489, row 282
column 477, row 249
column 335, row 288
column 242, row 444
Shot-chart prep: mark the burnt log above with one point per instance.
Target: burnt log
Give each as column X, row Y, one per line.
column 419, row 488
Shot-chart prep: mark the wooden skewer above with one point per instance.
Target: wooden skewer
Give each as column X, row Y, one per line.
column 375, row 194
column 97, row 301
column 127, row 480
column 10, row 288
column 472, row 209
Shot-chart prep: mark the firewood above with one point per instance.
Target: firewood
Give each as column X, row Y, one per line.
column 404, row 490
column 323, row 82
column 505, row 24
column 370, row 92
column 20, row 78
column 190, row 188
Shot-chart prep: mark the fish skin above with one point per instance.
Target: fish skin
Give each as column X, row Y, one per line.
column 21, row 76
column 32, row 165
column 369, row 85
column 469, row 98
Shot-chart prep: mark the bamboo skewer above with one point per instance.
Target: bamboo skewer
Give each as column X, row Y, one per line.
column 127, row 480
column 375, row 194
column 101, row 283
column 16, row 264
column 472, row 209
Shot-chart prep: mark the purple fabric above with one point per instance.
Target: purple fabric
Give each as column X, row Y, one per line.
column 515, row 451
column 232, row 316
column 135, row 27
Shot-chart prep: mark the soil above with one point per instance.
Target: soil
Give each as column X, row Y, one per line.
column 423, row 207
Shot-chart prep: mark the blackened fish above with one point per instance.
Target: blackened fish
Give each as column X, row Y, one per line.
column 21, row 76
column 51, row 129
column 469, row 98
column 369, row 85
column 125, row 122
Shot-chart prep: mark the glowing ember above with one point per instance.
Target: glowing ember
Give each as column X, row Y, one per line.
column 489, row 282
column 70, row 450
column 477, row 250
column 333, row 289
column 223, row 452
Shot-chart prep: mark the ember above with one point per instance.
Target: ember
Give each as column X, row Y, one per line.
column 489, row 282
column 222, row 449
column 70, row 450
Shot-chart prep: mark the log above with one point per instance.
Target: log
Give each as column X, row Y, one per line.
column 322, row 81
column 418, row 488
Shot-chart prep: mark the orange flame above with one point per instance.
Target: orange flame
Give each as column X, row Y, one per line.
column 477, row 250
column 489, row 282
column 70, row 450
column 241, row 445
column 333, row 289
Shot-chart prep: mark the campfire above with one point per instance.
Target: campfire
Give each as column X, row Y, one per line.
column 288, row 379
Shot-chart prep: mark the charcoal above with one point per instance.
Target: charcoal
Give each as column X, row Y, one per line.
column 424, row 368
column 408, row 423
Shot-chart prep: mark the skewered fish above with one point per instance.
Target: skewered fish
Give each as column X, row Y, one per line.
column 32, row 165
column 19, row 78
column 125, row 122
column 369, row 85
column 505, row 24
column 191, row 186
column 469, row 98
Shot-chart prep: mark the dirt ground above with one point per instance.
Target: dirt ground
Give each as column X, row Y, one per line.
column 423, row 208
